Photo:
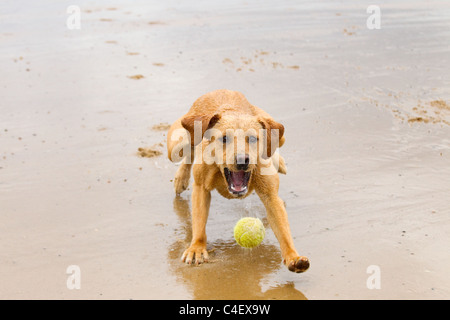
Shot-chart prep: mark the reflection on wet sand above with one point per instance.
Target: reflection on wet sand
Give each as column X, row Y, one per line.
column 233, row 272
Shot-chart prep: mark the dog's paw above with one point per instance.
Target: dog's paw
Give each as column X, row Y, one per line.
column 298, row 264
column 181, row 180
column 180, row 184
column 195, row 254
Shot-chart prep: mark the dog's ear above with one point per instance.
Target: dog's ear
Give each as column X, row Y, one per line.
column 207, row 121
column 272, row 130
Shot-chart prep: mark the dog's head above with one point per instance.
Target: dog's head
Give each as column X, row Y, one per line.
column 235, row 142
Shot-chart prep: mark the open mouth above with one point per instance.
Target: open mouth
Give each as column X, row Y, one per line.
column 237, row 181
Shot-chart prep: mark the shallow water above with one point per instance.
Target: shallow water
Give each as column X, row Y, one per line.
column 367, row 185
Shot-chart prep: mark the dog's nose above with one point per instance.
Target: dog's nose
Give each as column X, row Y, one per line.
column 242, row 161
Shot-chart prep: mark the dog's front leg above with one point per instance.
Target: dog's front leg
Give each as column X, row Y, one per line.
column 278, row 220
column 201, row 199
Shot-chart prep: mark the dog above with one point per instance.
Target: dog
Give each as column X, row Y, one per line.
column 230, row 146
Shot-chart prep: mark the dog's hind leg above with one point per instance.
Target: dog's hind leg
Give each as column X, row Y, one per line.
column 282, row 165
column 181, row 180
column 278, row 163
column 277, row 160
column 179, row 148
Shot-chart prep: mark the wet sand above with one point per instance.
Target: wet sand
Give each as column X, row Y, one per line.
column 367, row 147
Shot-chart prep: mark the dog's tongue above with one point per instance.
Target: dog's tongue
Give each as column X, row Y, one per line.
column 238, row 180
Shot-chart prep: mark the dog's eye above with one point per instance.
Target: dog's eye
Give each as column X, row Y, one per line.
column 252, row 139
column 225, row 139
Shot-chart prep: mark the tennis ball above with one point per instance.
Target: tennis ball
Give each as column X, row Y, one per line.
column 249, row 232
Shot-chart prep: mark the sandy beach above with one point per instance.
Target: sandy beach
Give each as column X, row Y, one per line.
column 84, row 175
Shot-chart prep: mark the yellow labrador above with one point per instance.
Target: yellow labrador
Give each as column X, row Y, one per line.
column 233, row 145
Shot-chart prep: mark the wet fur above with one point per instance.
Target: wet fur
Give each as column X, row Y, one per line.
column 222, row 110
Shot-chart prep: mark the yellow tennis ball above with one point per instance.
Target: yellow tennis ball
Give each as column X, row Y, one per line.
column 249, row 232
